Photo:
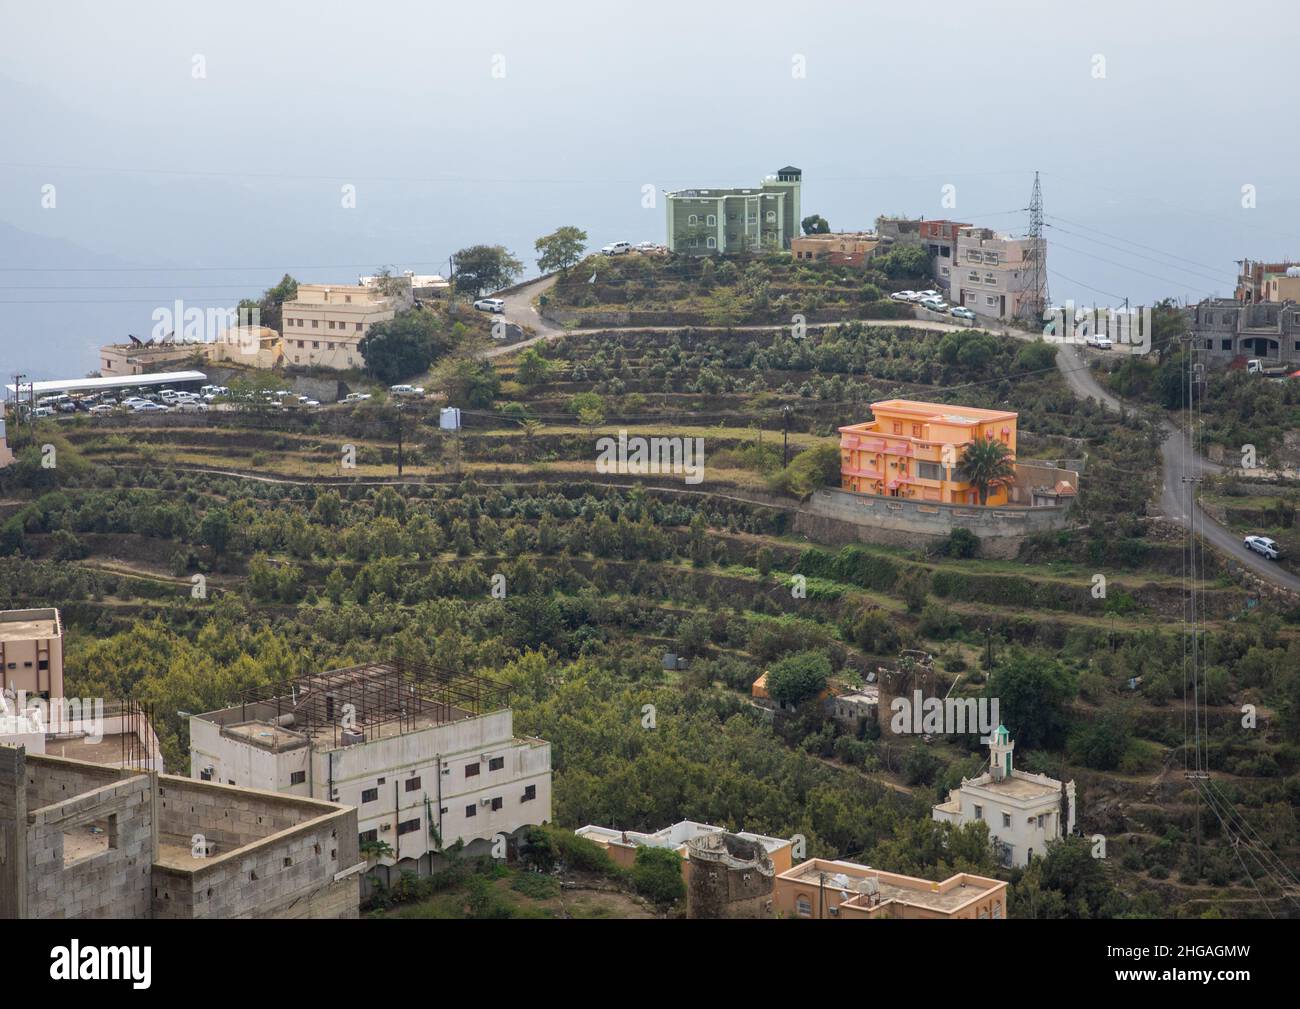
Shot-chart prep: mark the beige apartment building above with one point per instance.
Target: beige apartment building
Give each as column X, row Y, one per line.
column 324, row 325
column 31, row 652
column 823, row 888
column 839, row 248
column 993, row 275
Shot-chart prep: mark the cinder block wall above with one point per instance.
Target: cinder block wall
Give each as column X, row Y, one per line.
column 288, row 875
column 229, row 817
column 111, row 884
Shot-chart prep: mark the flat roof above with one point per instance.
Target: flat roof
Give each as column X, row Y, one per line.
column 22, row 625
column 111, row 382
column 1015, row 787
column 942, row 412
column 931, row 894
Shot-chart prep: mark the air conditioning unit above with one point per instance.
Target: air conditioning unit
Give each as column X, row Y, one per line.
column 385, row 826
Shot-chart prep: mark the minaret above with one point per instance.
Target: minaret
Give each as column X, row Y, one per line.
column 1000, row 747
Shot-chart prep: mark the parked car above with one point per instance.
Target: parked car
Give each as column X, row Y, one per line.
column 934, row 305
column 149, row 407
column 192, row 406
column 406, row 390
column 961, row 312
column 1263, row 546
column 490, row 305
column 647, row 247
column 903, row 296
column 101, row 408
column 615, row 248
column 1097, row 342
column 930, row 295
column 356, row 397
column 43, row 411
column 68, row 406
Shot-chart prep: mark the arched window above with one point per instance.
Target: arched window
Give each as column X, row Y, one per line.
column 693, row 219
column 711, row 220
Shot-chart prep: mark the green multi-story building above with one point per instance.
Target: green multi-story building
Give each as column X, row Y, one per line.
column 703, row 222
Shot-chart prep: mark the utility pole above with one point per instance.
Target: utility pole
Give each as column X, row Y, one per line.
column 399, row 439
column 785, row 435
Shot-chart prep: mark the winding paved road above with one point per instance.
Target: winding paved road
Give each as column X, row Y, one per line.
column 1177, row 465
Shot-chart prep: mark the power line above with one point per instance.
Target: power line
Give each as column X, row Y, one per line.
column 1138, row 255
column 1121, row 238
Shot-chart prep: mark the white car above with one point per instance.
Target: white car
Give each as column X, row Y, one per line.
column 43, row 411
column 903, row 296
column 963, row 313
column 356, row 397
column 490, row 305
column 1099, row 342
column 930, row 295
column 406, row 390
column 647, row 247
column 1263, row 546
column 147, row 407
column 192, row 406
column 934, row 305
column 101, row 408
column 615, row 248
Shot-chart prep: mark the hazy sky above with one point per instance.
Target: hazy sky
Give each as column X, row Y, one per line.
column 206, row 188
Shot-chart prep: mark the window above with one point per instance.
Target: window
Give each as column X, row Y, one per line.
column 771, row 217
column 370, row 795
column 990, row 301
column 408, row 826
column 205, row 775
column 898, row 427
column 929, row 470
column 1006, row 819
column 297, row 777
column 496, row 763
column 803, row 907
column 471, row 810
column 413, row 784
column 367, row 835
column 916, row 430
column 693, row 219
column 331, row 324
column 1227, row 345
column 711, row 242
column 979, row 812
column 358, row 329
column 711, row 220
column 530, row 793
column 997, row 909
column 497, row 803
column 471, row 769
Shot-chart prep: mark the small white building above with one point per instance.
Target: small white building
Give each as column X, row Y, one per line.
column 1023, row 811
column 428, row 758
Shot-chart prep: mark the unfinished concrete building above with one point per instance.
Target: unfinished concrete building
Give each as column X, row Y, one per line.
column 84, row 840
column 731, row 877
column 427, row 756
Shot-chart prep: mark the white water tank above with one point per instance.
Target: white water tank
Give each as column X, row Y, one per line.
column 449, row 418
column 1293, row 271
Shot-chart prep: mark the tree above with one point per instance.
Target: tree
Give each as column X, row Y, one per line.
column 269, row 305
column 1032, row 693
column 533, row 369
column 657, row 874
column 404, row 346
column 482, row 268
column 815, row 224
column 798, row 677
column 561, row 249
column 214, row 530
column 987, row 463
column 473, row 384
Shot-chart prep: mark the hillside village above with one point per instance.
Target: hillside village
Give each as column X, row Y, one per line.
column 763, row 571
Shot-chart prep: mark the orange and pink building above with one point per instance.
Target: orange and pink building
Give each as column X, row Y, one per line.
column 913, row 450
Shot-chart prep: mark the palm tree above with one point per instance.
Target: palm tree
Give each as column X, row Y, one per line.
column 988, row 464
